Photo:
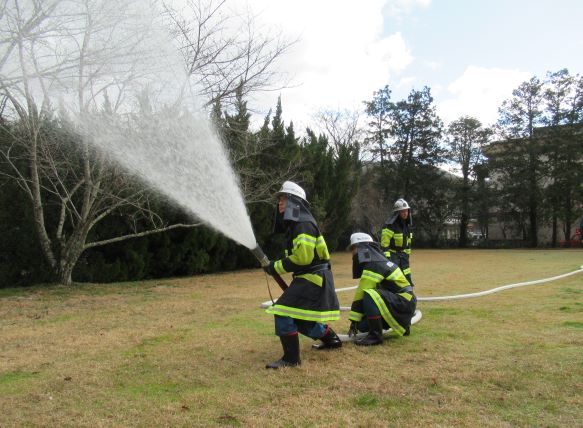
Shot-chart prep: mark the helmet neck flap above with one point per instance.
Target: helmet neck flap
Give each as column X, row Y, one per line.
column 295, row 211
column 395, row 217
column 366, row 252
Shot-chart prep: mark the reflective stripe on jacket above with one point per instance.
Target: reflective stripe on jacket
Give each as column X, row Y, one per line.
column 379, row 275
column 306, row 253
column 396, row 238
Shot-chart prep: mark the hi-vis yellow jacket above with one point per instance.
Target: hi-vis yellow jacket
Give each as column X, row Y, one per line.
column 306, row 253
column 311, row 295
column 389, row 289
column 396, row 237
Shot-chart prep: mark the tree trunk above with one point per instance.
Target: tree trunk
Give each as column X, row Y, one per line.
column 64, row 274
column 465, row 204
column 532, row 199
column 70, row 253
column 37, row 201
column 568, row 217
column 463, row 240
column 533, row 226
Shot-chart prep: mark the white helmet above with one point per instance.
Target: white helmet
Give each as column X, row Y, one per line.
column 400, row 205
column 357, row 238
column 292, row 188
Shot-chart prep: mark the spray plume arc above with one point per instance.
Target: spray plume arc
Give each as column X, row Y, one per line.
column 264, row 260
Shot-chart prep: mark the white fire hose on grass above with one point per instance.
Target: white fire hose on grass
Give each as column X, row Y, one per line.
column 418, row 314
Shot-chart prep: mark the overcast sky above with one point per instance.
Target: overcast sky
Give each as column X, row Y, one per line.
column 471, row 53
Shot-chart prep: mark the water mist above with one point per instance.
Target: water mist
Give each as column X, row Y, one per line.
column 179, row 154
column 170, row 144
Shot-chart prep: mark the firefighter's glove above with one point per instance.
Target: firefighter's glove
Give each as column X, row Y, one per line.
column 270, row 269
column 353, row 330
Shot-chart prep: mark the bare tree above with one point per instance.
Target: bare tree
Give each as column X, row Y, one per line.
column 229, row 57
column 368, row 206
column 225, row 52
column 78, row 51
column 91, row 57
column 257, row 183
column 341, row 127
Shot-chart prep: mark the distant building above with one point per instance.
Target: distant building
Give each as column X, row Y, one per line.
column 557, row 145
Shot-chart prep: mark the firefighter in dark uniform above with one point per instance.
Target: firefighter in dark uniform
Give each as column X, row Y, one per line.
column 384, row 298
column 310, row 300
column 397, row 235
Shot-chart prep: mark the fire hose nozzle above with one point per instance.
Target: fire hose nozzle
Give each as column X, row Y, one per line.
column 260, row 255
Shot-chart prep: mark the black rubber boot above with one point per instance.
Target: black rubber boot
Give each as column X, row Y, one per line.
column 291, row 353
column 329, row 341
column 375, row 333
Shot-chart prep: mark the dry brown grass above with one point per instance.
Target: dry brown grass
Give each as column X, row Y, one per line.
column 191, row 352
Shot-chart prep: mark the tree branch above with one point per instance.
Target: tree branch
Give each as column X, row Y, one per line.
column 140, row 234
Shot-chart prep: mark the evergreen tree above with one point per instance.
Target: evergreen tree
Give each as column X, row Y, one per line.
column 376, row 142
column 277, row 125
column 562, row 146
column 216, row 117
column 278, row 162
column 558, row 86
column 290, row 140
column 466, row 137
column 432, row 204
column 317, row 169
column 378, row 111
column 520, row 163
column 482, row 198
column 343, row 187
column 415, row 134
column 237, row 125
column 243, row 146
column 331, row 179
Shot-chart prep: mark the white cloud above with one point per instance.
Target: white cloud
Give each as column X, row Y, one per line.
column 398, row 8
column 433, row 65
column 405, row 83
column 341, row 58
column 392, row 51
column 479, row 92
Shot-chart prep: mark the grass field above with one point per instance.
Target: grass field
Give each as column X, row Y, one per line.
column 191, row 352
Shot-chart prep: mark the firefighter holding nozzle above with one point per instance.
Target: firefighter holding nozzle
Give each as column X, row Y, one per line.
column 311, row 299
column 384, row 298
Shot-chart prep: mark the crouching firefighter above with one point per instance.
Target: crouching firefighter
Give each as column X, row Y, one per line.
column 397, row 236
column 311, row 299
column 384, row 298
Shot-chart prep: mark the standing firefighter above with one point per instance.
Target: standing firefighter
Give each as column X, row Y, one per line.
column 384, row 298
column 310, row 300
column 397, row 235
